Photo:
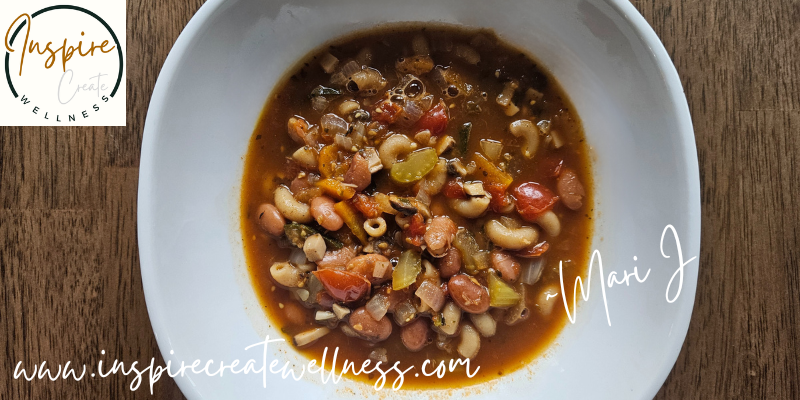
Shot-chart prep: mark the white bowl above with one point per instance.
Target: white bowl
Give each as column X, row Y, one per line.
column 204, row 108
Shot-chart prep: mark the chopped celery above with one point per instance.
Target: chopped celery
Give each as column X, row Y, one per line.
column 409, row 266
column 473, row 257
column 501, row 295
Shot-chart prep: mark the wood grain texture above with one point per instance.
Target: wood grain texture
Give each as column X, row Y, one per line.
column 69, row 268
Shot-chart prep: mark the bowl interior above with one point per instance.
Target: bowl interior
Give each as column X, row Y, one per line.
column 203, row 111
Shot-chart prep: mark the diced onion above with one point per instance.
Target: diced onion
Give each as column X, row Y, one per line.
column 332, row 125
column 350, row 68
column 381, row 267
column 426, row 102
column 544, row 126
column 302, row 294
column 491, row 148
column 431, row 294
column 404, row 312
column 378, row 306
column 412, row 113
column 343, row 141
column 324, row 315
column 504, row 98
column 319, row 103
column 328, row 62
column 423, row 196
column 338, row 79
column 358, row 132
column 297, row 257
column 340, row 311
column 558, row 141
column 365, row 56
column 532, row 271
column 379, row 354
column 468, row 54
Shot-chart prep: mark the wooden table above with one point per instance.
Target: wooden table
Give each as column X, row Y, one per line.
column 69, row 269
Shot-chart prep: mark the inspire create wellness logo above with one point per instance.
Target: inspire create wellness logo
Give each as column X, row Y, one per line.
column 62, row 64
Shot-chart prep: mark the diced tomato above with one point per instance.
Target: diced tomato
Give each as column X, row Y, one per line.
column 500, row 199
column 534, row 251
column 416, row 230
column 367, row 206
column 343, row 286
column 435, row 119
column 454, row 189
column 387, row 112
column 533, row 199
column 551, row 166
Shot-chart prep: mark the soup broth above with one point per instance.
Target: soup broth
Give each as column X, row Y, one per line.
column 408, row 195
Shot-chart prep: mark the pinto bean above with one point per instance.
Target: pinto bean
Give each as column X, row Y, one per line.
column 470, row 296
column 322, row 210
column 358, row 174
column 415, row 335
column 439, row 235
column 368, row 328
column 366, row 265
column 270, row 220
column 505, row 263
column 298, row 184
column 450, row 263
column 570, row 190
